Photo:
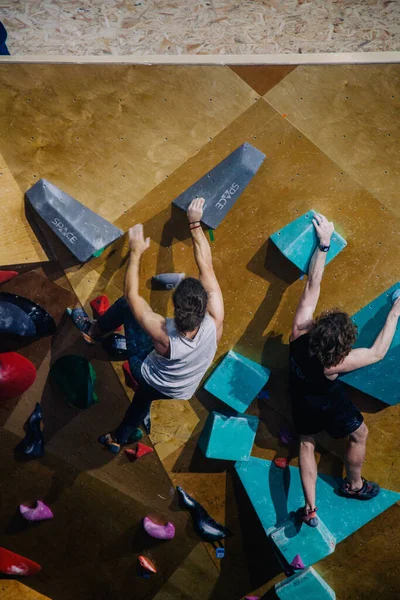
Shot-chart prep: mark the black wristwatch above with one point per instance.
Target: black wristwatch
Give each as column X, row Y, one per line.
column 323, row 248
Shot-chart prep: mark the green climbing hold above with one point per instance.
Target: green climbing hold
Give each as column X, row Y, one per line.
column 98, row 252
column 75, row 377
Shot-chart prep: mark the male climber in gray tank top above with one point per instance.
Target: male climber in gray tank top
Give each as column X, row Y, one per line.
column 321, row 349
column 167, row 357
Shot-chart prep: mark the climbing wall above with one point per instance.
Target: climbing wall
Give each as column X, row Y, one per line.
column 126, row 141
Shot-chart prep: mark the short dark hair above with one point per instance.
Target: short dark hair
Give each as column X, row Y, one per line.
column 332, row 335
column 190, row 303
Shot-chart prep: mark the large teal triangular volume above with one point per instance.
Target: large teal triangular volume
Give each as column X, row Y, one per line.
column 298, row 240
column 275, row 493
column 381, row 380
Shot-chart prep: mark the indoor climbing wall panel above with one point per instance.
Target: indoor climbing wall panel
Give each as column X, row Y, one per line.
column 351, row 112
column 107, row 135
column 18, row 243
column 143, row 106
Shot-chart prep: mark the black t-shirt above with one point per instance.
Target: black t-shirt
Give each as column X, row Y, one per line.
column 307, row 380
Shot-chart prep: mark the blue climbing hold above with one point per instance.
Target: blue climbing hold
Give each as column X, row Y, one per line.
column 277, row 493
column 237, row 380
column 380, row 380
column 298, row 241
column 307, row 585
column 14, row 321
column 228, row 438
column 3, row 38
column 33, row 443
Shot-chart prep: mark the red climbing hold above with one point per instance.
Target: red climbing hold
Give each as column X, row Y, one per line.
column 282, row 463
column 138, row 452
column 100, row 305
column 17, row 374
column 130, row 381
column 147, row 564
column 14, row 564
column 7, row 275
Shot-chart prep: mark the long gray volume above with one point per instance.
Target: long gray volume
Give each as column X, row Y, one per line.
column 222, row 186
column 82, row 230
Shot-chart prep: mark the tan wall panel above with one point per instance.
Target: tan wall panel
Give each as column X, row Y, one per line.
column 352, row 113
column 18, row 243
column 295, row 177
column 108, row 134
column 13, row 590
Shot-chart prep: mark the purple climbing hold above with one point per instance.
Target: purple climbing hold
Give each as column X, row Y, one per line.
column 285, row 435
column 297, row 563
column 160, row 532
column 263, row 395
column 40, row 512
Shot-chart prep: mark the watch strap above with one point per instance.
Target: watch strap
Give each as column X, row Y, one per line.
column 323, row 248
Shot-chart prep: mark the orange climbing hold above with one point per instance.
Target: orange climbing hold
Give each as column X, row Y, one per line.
column 147, row 564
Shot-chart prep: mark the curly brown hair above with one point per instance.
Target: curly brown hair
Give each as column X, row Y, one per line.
column 332, row 335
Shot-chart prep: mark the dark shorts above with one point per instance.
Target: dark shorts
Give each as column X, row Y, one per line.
column 338, row 421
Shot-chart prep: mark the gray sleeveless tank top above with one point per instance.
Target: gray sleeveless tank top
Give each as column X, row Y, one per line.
column 179, row 375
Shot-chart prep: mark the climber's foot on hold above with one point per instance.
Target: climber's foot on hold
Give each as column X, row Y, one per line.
column 367, row 491
column 88, row 328
column 107, row 440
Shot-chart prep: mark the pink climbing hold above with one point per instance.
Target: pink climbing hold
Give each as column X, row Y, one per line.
column 138, row 452
column 160, row 532
column 282, row 463
column 297, row 563
column 40, row 512
column 17, row 565
column 7, row 275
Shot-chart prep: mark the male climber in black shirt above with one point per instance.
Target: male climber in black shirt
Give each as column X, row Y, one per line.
column 321, row 349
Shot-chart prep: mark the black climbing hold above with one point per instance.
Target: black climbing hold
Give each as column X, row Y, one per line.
column 43, row 323
column 207, row 528
column 33, row 443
